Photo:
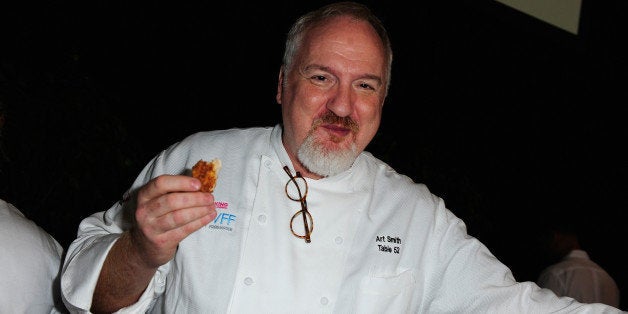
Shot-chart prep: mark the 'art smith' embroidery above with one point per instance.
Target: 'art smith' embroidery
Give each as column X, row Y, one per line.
column 388, row 244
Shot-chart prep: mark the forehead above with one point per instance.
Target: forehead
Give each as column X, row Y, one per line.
column 344, row 39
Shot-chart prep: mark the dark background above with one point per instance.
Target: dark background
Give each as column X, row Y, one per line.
column 512, row 121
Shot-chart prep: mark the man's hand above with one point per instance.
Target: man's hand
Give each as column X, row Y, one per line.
column 169, row 208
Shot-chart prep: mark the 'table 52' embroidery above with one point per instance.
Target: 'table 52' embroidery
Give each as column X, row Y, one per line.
column 384, row 244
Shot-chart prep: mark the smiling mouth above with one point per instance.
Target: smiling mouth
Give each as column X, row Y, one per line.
column 335, row 124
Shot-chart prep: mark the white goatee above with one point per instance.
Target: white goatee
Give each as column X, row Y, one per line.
column 317, row 159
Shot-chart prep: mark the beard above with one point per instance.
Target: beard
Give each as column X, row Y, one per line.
column 317, row 158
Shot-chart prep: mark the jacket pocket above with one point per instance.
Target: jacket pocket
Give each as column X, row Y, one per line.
column 385, row 293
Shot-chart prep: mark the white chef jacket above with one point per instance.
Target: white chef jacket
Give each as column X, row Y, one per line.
column 29, row 265
column 577, row 276
column 381, row 244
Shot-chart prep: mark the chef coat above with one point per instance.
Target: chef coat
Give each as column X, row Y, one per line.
column 380, row 243
column 29, row 265
column 577, row 276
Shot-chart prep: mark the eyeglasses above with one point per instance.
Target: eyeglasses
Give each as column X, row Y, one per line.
column 294, row 193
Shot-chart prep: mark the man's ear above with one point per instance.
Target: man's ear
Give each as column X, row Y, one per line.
column 280, row 85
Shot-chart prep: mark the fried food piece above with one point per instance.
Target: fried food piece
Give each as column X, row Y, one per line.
column 207, row 172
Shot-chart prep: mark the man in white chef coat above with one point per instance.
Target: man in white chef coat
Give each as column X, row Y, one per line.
column 302, row 218
column 30, row 258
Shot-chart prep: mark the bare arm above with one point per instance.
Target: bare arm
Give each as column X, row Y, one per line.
column 169, row 208
column 122, row 279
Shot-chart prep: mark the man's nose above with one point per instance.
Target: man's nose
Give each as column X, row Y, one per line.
column 341, row 103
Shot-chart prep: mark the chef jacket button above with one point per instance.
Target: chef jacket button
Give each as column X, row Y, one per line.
column 248, row 281
column 338, row 240
column 324, row 301
column 261, row 218
column 267, row 163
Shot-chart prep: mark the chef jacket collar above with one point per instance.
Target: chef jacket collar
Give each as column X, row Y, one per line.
column 349, row 179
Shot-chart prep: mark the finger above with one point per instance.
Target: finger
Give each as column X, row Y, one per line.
column 165, row 204
column 183, row 217
column 176, row 235
column 165, row 184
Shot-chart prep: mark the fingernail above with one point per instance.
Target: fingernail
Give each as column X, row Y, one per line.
column 196, row 184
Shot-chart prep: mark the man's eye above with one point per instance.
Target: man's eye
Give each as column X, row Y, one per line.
column 319, row 78
column 366, row 86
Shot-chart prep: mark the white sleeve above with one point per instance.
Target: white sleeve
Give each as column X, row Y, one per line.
column 85, row 259
column 98, row 232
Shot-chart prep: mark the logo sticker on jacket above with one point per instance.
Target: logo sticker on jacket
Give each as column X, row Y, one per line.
column 224, row 220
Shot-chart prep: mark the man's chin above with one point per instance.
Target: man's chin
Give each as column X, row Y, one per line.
column 326, row 158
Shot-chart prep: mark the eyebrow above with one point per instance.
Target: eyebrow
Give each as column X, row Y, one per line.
column 327, row 69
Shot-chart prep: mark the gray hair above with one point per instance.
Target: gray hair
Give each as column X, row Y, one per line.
column 314, row 18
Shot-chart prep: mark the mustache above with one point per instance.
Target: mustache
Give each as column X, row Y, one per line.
column 331, row 118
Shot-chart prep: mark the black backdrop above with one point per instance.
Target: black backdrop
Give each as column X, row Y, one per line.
column 509, row 119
